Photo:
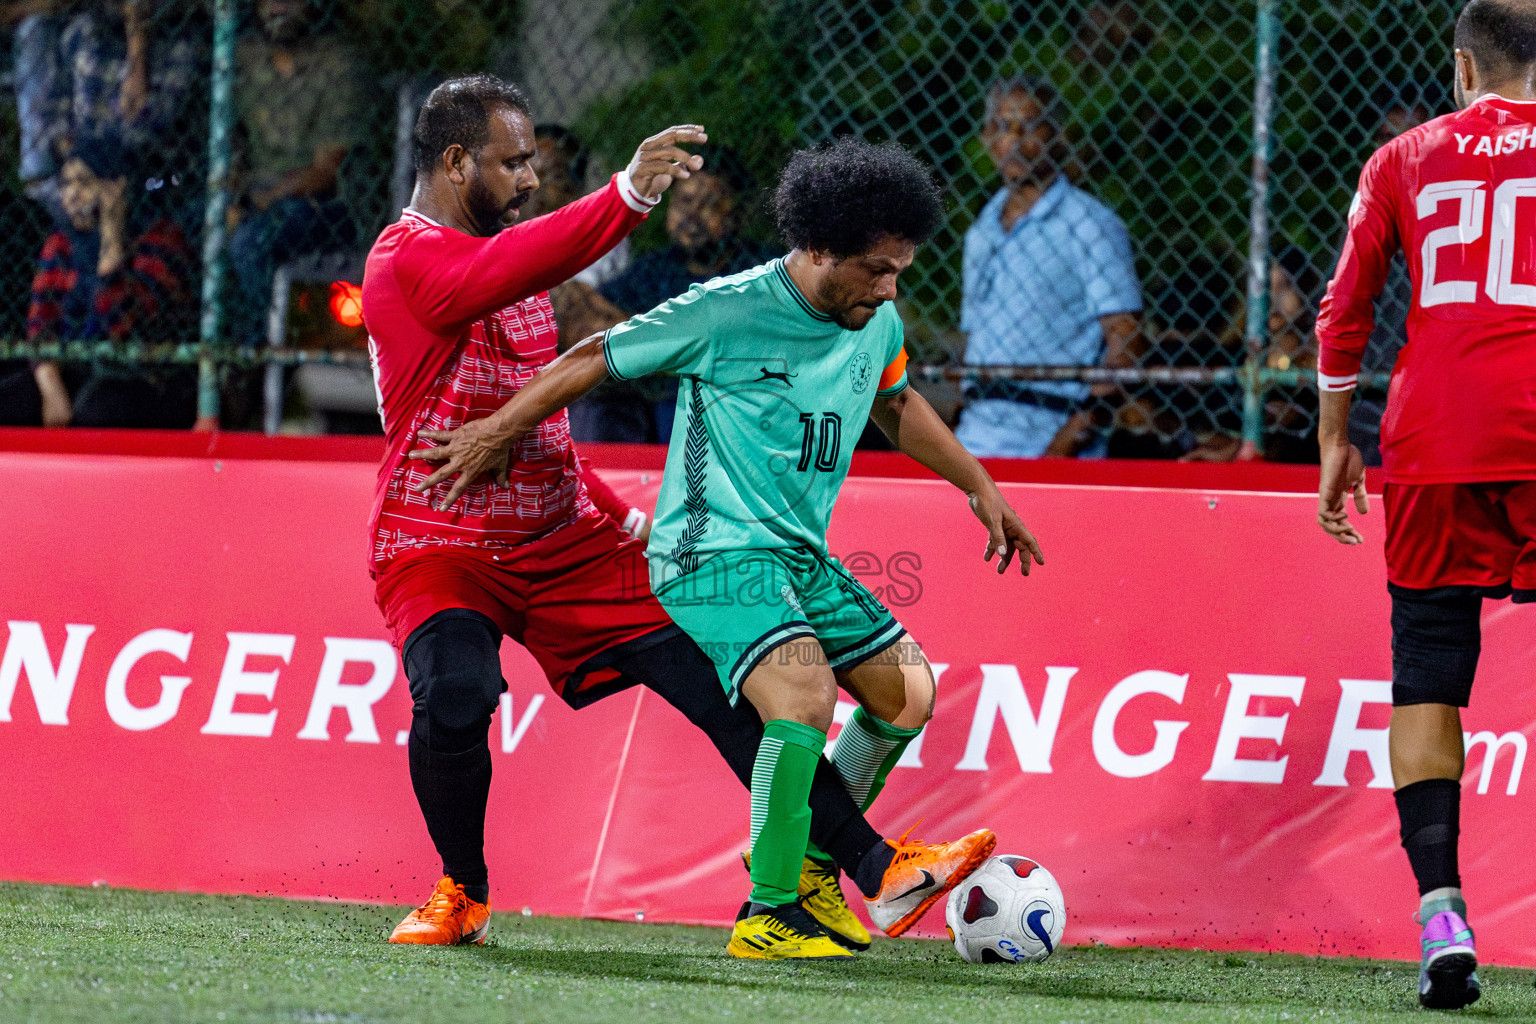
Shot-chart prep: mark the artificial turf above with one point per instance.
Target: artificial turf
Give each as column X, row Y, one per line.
column 71, row 954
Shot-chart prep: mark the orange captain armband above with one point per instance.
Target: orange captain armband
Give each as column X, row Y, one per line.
column 893, row 373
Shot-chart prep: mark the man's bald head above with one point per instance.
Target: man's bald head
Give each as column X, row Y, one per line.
column 1500, row 37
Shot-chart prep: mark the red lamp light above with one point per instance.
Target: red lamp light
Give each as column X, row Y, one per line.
column 347, row 303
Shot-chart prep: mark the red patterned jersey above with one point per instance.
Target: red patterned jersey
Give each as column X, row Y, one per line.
column 456, row 325
column 1458, row 196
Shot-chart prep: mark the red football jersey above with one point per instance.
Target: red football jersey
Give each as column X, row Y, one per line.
column 456, row 325
column 1458, row 195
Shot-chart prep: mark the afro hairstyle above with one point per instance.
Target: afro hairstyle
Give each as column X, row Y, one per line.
column 844, row 196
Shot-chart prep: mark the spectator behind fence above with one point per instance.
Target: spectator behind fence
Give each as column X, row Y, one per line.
column 103, row 276
column 1189, row 325
column 1289, row 412
column 1403, row 105
column 1048, row 278
column 299, row 98
column 109, row 69
column 704, row 214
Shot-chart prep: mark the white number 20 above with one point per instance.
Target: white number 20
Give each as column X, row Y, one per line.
column 1471, row 198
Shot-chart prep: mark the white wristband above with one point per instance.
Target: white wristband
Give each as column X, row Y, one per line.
column 1327, row 383
column 634, row 523
column 632, row 197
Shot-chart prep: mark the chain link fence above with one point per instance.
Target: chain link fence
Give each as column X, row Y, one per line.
column 1109, row 281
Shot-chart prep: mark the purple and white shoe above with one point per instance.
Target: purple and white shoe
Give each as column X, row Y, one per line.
column 1448, row 970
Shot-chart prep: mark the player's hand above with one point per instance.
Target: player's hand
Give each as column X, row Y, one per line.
column 1006, row 533
column 1343, row 474
column 659, row 162
column 469, row 451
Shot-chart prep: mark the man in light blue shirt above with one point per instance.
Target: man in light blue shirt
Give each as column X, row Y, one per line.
column 1049, row 279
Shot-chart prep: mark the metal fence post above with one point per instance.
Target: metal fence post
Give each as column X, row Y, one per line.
column 1256, row 334
column 220, row 123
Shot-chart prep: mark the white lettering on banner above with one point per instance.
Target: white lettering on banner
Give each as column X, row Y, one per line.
column 912, row 757
column 1347, row 736
column 122, row 710
column 235, row 681
column 510, row 736
column 1492, row 745
column 1108, row 753
column 357, row 699
column 1237, row 725
column 1003, row 691
column 51, row 688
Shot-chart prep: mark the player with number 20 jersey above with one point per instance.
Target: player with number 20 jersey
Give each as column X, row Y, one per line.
column 1458, row 441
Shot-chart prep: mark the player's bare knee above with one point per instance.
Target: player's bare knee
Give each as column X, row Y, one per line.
column 793, row 682
column 919, row 687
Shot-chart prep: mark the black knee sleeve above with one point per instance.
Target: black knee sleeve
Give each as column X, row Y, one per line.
column 453, row 664
column 1436, row 640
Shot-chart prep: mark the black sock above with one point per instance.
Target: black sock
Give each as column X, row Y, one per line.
column 871, row 870
column 452, row 790
column 1430, row 814
column 837, row 826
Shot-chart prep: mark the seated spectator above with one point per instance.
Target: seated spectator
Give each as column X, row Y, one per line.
column 704, row 214
column 1048, row 279
column 1189, row 325
column 105, row 70
column 1289, row 412
column 299, row 100
column 102, row 276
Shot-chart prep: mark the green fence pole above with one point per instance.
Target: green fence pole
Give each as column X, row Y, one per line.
column 220, row 122
column 1256, row 335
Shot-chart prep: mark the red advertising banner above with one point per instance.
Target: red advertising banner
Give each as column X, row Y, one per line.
column 1182, row 714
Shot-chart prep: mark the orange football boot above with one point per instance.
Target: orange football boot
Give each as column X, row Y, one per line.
column 921, row 874
column 448, row 918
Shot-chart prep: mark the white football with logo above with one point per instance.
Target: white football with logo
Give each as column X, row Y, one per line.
column 1010, row 910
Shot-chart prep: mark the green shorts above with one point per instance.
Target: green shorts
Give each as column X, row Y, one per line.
column 739, row 606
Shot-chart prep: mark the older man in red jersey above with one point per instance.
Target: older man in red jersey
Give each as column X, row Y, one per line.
column 1458, row 440
column 458, row 320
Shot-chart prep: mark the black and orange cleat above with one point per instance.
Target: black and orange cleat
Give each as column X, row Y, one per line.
column 448, row 918
column 921, row 874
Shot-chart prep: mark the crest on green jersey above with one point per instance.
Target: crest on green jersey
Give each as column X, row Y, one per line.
column 860, row 371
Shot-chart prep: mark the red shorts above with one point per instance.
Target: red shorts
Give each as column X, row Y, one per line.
column 575, row 598
column 1463, row 535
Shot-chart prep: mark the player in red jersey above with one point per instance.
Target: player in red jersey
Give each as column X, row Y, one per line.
column 1458, row 440
column 459, row 319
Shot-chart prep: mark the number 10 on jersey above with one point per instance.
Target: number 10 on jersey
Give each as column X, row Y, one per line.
column 821, row 445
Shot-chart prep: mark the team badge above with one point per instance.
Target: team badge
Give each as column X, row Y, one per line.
column 859, row 371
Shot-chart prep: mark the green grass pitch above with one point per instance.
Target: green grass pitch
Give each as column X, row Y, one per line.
column 123, row 956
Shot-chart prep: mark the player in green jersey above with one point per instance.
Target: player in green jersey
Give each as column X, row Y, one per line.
column 780, row 366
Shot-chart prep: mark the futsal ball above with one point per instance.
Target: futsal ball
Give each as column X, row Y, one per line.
column 1010, row 910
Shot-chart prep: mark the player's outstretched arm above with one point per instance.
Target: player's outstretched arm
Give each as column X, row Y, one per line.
column 482, row 446
column 1343, row 469
column 914, row 428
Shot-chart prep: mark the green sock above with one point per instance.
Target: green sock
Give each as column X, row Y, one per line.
column 866, row 751
column 781, row 815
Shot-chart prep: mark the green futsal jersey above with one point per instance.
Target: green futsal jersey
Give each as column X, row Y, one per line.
column 773, row 395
